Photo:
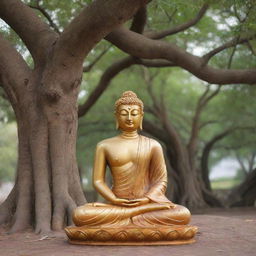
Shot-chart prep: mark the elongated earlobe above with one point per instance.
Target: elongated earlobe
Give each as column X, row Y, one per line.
column 141, row 128
column 117, row 125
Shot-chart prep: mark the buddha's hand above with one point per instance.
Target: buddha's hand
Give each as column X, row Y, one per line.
column 140, row 201
column 130, row 203
column 120, row 202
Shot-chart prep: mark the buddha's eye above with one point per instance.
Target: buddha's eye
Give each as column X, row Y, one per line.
column 135, row 113
column 123, row 113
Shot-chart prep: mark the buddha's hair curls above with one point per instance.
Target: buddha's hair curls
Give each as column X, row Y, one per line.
column 129, row 98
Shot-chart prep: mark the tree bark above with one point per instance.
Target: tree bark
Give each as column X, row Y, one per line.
column 245, row 193
column 47, row 187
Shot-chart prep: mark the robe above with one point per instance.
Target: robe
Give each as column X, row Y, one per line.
column 145, row 177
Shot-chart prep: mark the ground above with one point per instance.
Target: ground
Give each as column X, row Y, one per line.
column 221, row 232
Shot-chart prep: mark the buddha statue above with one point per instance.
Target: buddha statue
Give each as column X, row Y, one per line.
column 137, row 210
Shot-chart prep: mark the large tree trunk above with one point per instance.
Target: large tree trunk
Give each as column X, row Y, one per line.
column 47, row 186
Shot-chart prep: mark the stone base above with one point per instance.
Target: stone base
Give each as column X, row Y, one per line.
column 132, row 235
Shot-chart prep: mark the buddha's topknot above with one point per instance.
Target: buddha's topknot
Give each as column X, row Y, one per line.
column 129, row 98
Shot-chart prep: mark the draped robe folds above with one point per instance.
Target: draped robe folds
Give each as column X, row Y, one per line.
column 145, row 177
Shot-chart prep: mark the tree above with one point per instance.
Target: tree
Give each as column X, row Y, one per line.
column 44, row 101
column 43, row 93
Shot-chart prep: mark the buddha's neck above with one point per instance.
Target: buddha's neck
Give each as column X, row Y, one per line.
column 129, row 134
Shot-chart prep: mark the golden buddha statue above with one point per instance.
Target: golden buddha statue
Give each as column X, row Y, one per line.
column 138, row 211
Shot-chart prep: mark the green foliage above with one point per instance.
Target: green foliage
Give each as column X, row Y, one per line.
column 6, row 112
column 8, row 151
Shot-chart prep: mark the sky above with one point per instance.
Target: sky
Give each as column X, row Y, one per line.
column 227, row 167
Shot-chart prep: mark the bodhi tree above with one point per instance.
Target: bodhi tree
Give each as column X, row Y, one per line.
column 44, row 100
column 44, row 96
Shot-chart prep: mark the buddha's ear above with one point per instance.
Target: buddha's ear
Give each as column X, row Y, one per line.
column 117, row 124
column 141, row 121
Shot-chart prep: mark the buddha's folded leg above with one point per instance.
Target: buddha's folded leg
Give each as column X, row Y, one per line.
column 97, row 214
column 179, row 215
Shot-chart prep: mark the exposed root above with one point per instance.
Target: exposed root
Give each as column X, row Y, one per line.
column 70, row 208
column 41, row 170
column 62, row 214
column 47, row 187
column 44, row 230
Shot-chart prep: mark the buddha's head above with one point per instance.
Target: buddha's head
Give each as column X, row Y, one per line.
column 129, row 112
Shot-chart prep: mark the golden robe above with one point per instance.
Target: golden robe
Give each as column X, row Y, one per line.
column 145, row 177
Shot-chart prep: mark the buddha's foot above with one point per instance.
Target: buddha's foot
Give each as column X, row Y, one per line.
column 132, row 235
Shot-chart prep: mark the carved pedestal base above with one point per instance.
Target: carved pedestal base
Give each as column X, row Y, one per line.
column 132, row 235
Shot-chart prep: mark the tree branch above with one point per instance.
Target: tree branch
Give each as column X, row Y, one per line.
column 204, row 124
column 92, row 24
column 156, row 109
column 14, row 71
column 36, row 34
column 179, row 28
column 91, row 65
column 205, row 100
column 46, row 15
column 202, row 102
column 241, row 163
column 142, row 47
column 232, row 56
column 154, row 63
column 107, row 76
column 225, row 46
column 251, row 48
column 139, row 21
column 170, row 16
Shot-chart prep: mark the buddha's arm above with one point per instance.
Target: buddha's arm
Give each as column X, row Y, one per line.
column 99, row 171
column 158, row 176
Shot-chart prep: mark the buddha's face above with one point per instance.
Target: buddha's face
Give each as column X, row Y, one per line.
column 129, row 117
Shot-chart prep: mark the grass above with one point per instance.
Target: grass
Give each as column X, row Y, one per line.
column 225, row 183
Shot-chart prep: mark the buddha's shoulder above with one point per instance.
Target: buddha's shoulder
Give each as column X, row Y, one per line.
column 153, row 143
column 106, row 142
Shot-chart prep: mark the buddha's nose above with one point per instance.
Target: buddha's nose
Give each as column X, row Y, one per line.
column 129, row 117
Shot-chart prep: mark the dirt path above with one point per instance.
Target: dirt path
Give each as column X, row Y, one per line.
column 221, row 233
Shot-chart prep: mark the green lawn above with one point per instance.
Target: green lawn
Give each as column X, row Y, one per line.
column 225, row 183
